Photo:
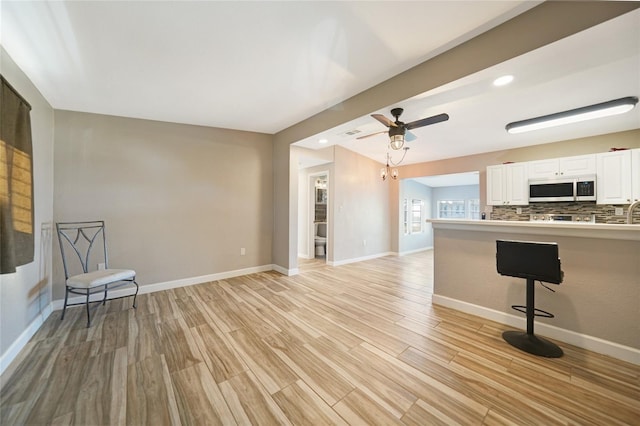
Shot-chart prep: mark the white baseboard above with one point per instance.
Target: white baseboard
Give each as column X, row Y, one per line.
column 595, row 344
column 360, row 259
column 167, row 285
column 285, row 271
column 404, row 253
column 12, row 352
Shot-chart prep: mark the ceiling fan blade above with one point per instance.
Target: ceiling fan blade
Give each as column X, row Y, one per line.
column 372, row 134
column 409, row 137
column 384, row 120
column 427, row 121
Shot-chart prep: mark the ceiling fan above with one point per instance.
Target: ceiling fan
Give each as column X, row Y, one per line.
column 399, row 131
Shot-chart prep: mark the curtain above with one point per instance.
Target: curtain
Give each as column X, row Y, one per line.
column 16, row 180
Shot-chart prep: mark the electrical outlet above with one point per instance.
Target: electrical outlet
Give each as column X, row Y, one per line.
column 364, row 243
column 101, row 266
column 243, row 251
column 518, row 210
column 619, row 211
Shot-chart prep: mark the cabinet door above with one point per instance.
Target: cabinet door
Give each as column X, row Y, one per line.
column 579, row 165
column 517, row 185
column 635, row 174
column 543, row 168
column 614, row 177
column 495, row 185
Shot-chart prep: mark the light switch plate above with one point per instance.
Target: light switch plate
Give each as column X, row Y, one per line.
column 619, row 211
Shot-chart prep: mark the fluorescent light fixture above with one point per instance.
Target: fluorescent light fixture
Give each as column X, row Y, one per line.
column 604, row 109
column 322, row 141
column 503, row 81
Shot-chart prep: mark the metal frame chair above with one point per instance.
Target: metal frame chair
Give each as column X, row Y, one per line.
column 79, row 238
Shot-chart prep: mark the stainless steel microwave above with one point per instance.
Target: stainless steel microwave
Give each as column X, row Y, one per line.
column 578, row 188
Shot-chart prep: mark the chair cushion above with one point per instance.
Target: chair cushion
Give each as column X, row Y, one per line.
column 100, row 277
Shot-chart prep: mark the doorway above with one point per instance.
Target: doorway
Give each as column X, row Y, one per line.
column 318, row 216
column 450, row 196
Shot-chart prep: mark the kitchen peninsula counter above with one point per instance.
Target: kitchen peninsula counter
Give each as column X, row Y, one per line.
column 575, row 229
column 597, row 306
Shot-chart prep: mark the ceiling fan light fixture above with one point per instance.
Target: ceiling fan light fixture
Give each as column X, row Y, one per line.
column 604, row 109
column 396, row 141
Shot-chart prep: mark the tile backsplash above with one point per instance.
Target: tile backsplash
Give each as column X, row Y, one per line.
column 605, row 213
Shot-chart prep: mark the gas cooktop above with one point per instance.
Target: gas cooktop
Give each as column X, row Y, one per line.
column 578, row 218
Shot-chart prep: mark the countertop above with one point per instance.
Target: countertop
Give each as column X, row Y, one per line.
column 574, row 229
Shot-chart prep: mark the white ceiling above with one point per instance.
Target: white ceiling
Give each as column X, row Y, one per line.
column 596, row 65
column 259, row 66
column 264, row 66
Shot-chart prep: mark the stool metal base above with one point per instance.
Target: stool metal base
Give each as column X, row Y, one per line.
column 532, row 344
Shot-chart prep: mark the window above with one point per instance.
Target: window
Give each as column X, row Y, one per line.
column 473, row 209
column 459, row 209
column 15, row 167
column 451, row 209
column 416, row 216
column 405, row 216
column 16, row 181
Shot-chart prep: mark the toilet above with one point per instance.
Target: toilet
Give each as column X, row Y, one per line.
column 320, row 238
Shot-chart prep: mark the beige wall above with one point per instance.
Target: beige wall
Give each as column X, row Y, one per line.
column 359, row 209
column 25, row 294
column 535, row 28
column 597, row 298
column 285, row 213
column 179, row 201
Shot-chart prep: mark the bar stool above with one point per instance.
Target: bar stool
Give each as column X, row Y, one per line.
column 532, row 261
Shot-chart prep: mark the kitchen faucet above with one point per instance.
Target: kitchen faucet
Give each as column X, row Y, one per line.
column 632, row 207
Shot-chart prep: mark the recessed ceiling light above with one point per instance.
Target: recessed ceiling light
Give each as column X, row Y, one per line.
column 322, row 141
column 503, row 81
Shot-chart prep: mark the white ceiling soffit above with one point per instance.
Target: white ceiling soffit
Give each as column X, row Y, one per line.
column 454, row 179
column 258, row 66
column 596, row 65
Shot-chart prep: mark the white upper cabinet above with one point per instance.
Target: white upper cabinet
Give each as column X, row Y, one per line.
column 507, row 184
column 579, row 165
column 544, row 168
column 617, row 177
column 517, row 184
column 495, row 185
column 614, row 177
column 635, row 174
column 567, row 166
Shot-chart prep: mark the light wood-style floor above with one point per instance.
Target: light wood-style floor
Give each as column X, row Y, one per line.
column 357, row 344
